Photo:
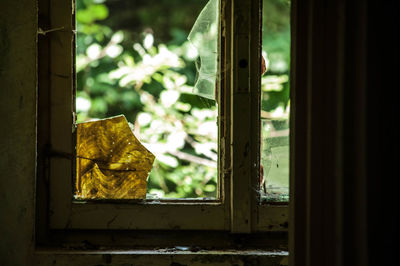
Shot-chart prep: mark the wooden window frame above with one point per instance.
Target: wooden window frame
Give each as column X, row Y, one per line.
column 238, row 210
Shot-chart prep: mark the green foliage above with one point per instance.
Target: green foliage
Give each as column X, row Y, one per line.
column 136, row 61
column 276, row 45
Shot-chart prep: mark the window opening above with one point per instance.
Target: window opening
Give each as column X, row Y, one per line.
column 275, row 103
column 153, row 62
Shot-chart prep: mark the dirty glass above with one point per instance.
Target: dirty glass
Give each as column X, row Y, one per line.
column 110, row 161
column 275, row 104
column 153, row 61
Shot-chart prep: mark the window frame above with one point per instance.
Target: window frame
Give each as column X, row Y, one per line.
column 238, row 209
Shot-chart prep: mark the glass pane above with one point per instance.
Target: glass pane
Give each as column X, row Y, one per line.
column 146, row 60
column 275, row 87
column 111, row 162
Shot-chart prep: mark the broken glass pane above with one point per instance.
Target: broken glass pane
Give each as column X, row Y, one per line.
column 275, row 102
column 275, row 161
column 135, row 58
column 111, row 162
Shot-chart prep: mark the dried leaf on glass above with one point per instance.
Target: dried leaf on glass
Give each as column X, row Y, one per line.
column 111, row 162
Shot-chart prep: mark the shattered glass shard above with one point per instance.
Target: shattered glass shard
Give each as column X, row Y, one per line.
column 204, row 38
column 111, row 163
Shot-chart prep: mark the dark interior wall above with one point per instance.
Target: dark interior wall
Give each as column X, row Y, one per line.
column 18, row 26
column 383, row 99
column 345, row 178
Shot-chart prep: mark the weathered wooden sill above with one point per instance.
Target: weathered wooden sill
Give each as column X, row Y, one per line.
column 174, row 256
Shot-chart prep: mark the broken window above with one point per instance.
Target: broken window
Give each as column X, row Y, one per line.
column 161, row 74
column 134, row 58
column 154, row 63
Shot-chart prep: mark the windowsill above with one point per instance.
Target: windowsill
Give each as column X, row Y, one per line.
column 165, row 256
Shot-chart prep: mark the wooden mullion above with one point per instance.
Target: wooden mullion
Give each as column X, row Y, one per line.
column 61, row 34
column 224, row 101
column 245, row 113
column 240, row 116
column 255, row 105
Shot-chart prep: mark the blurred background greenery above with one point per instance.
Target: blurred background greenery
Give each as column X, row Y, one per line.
column 133, row 58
